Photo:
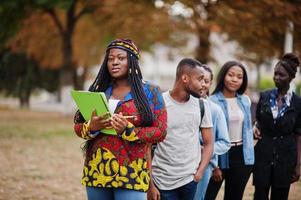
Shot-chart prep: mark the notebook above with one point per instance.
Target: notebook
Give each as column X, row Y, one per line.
column 87, row 102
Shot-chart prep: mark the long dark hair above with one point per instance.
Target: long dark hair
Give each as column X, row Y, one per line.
column 104, row 79
column 222, row 73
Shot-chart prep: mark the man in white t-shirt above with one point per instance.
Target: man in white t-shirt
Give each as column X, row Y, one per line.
column 178, row 162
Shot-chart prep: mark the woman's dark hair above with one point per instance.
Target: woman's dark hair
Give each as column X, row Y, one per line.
column 290, row 62
column 222, row 73
column 103, row 80
column 208, row 69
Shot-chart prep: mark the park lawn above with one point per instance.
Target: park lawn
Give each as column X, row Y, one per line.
column 40, row 158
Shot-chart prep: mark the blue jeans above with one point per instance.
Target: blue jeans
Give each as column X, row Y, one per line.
column 186, row 192
column 202, row 185
column 98, row 193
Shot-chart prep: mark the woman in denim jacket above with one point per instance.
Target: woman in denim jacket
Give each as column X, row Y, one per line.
column 235, row 165
column 220, row 135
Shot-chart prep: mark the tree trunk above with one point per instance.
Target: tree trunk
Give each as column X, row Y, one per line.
column 66, row 73
column 24, row 103
column 24, row 98
column 79, row 79
column 203, row 49
column 58, row 94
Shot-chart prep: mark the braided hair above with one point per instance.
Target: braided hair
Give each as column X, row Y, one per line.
column 104, row 79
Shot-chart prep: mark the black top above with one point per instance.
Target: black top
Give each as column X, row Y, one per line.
column 276, row 152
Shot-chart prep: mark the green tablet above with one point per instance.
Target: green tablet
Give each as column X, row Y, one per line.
column 87, row 102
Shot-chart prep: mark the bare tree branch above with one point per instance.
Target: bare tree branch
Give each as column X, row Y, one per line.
column 83, row 12
column 55, row 19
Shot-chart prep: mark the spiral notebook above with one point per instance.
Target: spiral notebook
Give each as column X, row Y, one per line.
column 87, row 102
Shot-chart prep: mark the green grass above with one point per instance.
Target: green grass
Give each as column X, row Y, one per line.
column 25, row 124
column 40, row 156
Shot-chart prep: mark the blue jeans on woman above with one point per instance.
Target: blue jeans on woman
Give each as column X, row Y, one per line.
column 202, row 185
column 186, row 192
column 98, row 193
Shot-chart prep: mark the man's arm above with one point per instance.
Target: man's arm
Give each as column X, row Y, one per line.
column 153, row 192
column 206, row 152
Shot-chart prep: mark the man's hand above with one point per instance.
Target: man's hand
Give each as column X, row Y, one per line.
column 153, row 193
column 198, row 175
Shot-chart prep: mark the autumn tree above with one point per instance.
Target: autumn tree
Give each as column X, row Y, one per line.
column 72, row 33
column 20, row 76
column 259, row 27
column 47, row 34
column 199, row 21
column 11, row 13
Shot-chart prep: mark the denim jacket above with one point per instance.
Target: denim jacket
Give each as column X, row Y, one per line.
column 247, row 133
column 220, row 133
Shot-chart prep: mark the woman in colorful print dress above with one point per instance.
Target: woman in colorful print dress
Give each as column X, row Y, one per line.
column 117, row 167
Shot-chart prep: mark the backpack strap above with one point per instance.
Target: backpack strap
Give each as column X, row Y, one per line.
column 202, row 110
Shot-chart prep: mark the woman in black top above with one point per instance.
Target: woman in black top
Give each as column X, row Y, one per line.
column 278, row 127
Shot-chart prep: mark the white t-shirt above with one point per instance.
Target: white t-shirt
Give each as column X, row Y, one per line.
column 236, row 119
column 177, row 158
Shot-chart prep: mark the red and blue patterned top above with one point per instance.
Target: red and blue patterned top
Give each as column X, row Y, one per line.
column 122, row 162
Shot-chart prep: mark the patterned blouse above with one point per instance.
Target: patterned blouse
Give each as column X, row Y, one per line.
column 286, row 99
column 122, row 161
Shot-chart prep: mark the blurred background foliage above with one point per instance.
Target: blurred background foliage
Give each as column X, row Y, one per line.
column 266, row 82
column 61, row 36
